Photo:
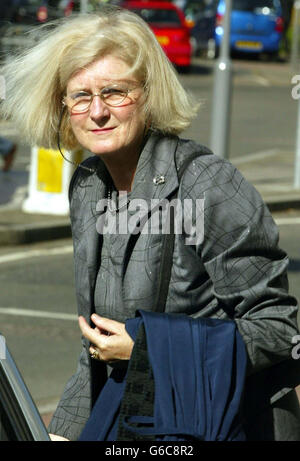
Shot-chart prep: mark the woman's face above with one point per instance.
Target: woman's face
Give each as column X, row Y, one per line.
column 103, row 129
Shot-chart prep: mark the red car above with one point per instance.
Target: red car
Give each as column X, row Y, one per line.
column 170, row 27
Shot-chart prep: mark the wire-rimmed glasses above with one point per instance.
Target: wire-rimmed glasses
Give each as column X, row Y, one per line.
column 114, row 95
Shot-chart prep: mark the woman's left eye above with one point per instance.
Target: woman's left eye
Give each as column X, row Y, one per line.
column 81, row 94
column 108, row 91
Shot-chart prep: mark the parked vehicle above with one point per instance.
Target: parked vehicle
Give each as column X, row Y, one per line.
column 256, row 26
column 170, row 27
column 19, row 417
column 19, row 19
column 202, row 15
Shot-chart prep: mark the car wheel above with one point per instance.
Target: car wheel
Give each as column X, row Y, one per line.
column 270, row 56
column 273, row 56
column 184, row 69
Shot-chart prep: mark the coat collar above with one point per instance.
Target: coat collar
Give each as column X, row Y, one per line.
column 155, row 178
column 156, row 175
column 96, row 189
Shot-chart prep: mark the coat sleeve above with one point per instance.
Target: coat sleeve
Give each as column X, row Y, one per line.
column 74, row 407
column 241, row 256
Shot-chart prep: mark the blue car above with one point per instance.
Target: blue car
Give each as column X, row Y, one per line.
column 256, row 26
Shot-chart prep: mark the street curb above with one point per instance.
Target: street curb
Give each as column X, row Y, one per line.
column 38, row 232
column 21, row 234
column 281, row 205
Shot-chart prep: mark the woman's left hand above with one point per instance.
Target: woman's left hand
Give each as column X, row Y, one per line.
column 110, row 339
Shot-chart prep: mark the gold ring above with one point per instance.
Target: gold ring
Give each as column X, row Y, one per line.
column 95, row 355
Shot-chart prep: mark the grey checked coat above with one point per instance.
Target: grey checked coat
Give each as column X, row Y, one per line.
column 236, row 272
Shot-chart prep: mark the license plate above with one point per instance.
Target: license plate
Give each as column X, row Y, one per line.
column 163, row 40
column 249, row 45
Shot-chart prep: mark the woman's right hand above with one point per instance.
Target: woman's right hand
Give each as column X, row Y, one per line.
column 109, row 338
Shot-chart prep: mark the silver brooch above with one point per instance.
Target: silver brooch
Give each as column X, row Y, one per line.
column 159, row 179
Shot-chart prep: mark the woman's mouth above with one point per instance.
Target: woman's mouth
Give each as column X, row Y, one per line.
column 102, row 130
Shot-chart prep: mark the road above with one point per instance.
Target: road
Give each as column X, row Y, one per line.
column 38, row 316
column 37, row 303
column 263, row 114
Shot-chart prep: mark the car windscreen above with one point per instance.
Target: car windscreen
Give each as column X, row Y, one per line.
column 159, row 17
column 252, row 5
column 19, row 417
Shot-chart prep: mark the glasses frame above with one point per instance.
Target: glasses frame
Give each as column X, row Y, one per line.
column 102, row 97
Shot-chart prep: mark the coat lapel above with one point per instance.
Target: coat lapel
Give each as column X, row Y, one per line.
column 92, row 238
column 155, row 178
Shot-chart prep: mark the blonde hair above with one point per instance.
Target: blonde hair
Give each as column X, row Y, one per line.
column 36, row 80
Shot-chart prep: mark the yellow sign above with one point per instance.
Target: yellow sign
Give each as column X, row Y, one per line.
column 49, row 170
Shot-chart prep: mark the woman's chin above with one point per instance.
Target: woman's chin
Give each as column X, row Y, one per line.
column 102, row 148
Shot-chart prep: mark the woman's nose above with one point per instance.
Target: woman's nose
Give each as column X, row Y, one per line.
column 98, row 109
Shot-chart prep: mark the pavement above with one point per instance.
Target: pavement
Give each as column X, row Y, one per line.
column 271, row 172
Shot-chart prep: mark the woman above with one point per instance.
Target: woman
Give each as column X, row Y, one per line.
column 105, row 82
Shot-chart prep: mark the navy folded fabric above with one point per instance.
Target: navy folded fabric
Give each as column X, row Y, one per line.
column 199, row 368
